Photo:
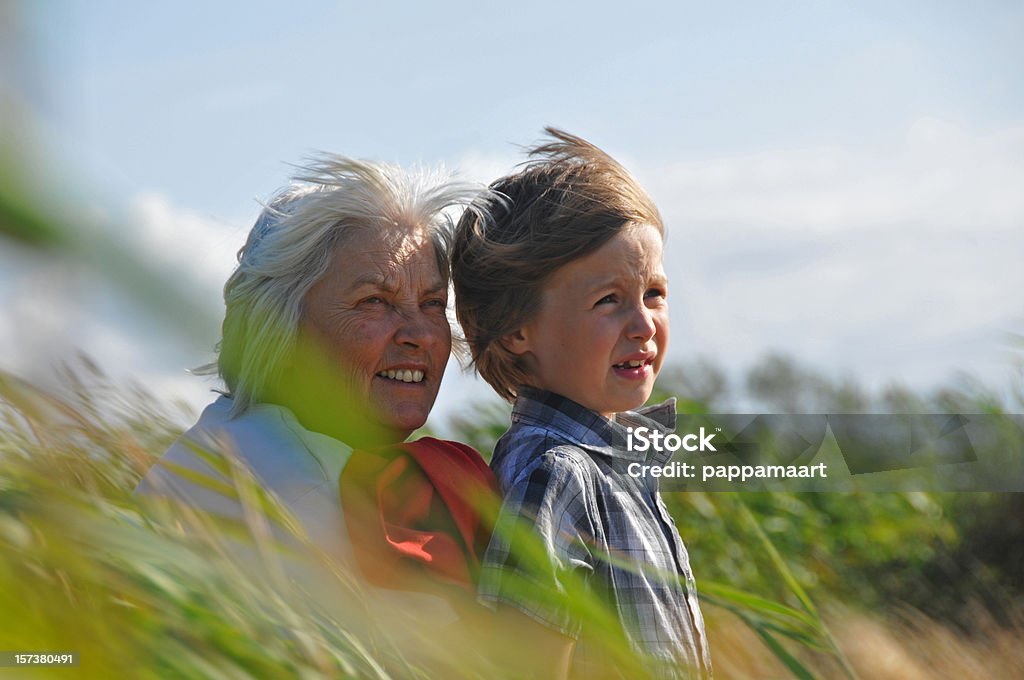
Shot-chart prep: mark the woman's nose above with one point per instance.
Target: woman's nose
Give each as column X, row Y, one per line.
column 414, row 328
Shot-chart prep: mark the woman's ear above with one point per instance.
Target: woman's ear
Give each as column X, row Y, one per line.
column 517, row 342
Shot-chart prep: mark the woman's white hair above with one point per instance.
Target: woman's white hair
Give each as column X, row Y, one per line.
column 291, row 246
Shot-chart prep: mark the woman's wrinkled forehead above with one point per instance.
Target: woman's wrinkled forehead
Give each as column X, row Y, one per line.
column 389, row 259
column 393, row 242
column 400, row 241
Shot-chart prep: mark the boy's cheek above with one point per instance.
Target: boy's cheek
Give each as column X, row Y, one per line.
column 662, row 334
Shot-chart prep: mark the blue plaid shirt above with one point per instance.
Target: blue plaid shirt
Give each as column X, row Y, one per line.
column 562, row 472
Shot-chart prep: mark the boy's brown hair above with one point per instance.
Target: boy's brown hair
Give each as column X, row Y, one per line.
column 569, row 200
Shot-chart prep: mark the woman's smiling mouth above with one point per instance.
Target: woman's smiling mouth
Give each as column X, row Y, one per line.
column 402, row 375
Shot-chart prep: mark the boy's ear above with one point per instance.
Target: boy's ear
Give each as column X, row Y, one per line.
column 517, row 342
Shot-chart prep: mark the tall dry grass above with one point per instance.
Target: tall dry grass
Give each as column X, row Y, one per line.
column 909, row 646
column 164, row 592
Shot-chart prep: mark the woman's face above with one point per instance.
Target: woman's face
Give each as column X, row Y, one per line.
column 374, row 338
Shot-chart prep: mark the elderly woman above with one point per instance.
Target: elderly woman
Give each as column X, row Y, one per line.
column 335, row 339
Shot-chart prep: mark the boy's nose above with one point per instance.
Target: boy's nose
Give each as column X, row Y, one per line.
column 642, row 324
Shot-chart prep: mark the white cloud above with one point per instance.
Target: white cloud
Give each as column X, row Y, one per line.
column 52, row 310
column 898, row 265
column 37, row 312
column 201, row 248
column 941, row 177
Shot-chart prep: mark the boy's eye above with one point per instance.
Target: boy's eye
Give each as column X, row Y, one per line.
column 608, row 299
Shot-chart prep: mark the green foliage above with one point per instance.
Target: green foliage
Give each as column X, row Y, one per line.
column 933, row 551
column 20, row 221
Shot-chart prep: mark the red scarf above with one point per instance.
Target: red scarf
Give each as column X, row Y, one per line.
column 419, row 513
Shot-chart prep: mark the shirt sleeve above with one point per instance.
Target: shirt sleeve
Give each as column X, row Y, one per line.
column 540, row 556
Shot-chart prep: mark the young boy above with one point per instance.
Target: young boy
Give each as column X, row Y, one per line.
column 561, row 294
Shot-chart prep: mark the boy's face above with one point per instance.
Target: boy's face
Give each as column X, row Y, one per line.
column 601, row 334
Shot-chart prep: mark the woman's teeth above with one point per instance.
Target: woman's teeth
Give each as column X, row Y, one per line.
column 405, row 375
column 630, row 364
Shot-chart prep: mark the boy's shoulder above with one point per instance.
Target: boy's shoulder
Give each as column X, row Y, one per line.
column 526, row 450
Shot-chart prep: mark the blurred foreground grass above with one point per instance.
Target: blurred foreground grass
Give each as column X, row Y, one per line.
column 141, row 595
column 85, row 570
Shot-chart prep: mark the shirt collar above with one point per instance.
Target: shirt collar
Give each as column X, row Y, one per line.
column 331, row 454
column 589, row 429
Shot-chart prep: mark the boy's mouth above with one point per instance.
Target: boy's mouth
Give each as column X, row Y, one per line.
column 634, row 369
column 633, row 363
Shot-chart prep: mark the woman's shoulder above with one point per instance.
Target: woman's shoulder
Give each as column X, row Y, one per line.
column 261, row 440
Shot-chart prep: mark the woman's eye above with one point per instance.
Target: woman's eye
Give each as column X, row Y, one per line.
column 655, row 293
column 437, row 303
column 373, row 300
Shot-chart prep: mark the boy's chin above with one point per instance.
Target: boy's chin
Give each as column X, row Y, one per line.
column 623, row 402
column 641, row 397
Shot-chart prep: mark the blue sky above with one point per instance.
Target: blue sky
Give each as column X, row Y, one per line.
column 839, row 179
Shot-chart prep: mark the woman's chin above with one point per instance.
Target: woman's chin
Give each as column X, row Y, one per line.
column 402, row 416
